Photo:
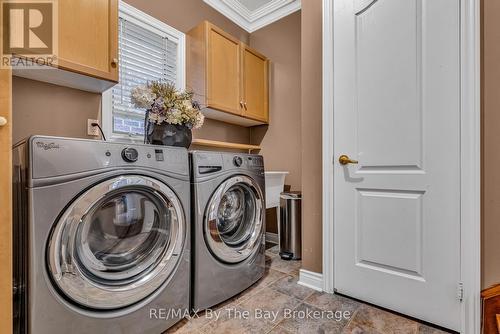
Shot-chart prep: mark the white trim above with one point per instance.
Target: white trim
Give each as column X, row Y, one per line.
column 254, row 20
column 146, row 21
column 470, row 160
column 470, row 166
column 311, row 279
column 272, row 238
column 328, row 147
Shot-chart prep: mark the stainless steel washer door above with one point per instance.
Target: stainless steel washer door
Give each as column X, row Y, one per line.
column 234, row 218
column 117, row 243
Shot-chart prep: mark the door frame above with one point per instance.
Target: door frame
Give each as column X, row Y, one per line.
column 470, row 160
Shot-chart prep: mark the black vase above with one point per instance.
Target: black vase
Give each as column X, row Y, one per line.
column 168, row 135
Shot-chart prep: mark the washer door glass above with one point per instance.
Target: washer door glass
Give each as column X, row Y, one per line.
column 234, row 219
column 117, row 243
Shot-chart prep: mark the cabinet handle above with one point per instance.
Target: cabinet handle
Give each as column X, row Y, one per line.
column 245, row 104
column 114, row 62
column 241, row 104
column 3, row 121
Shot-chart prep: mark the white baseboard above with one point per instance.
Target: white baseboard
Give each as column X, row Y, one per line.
column 311, row 279
column 272, row 237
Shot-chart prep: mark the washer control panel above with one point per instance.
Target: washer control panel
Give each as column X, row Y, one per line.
column 130, row 154
column 50, row 156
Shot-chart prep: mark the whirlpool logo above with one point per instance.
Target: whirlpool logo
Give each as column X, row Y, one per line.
column 47, row 146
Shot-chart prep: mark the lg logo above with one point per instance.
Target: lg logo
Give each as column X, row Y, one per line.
column 28, row 27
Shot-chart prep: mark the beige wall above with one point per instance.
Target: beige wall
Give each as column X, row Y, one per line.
column 311, row 135
column 41, row 108
column 281, row 140
column 491, row 143
column 44, row 109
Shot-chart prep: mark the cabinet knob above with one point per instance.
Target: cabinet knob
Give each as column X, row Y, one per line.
column 3, row 121
column 245, row 104
column 241, row 104
column 114, row 62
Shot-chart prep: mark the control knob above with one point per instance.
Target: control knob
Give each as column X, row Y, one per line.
column 130, row 154
column 237, row 161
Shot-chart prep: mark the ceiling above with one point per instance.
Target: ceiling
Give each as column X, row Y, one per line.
column 254, row 4
column 252, row 15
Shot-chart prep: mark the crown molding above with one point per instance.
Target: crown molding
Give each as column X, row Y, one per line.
column 254, row 20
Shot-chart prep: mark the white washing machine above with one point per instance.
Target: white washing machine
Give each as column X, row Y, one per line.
column 101, row 236
column 228, row 225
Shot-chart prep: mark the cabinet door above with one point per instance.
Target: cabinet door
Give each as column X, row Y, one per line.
column 88, row 37
column 255, row 85
column 223, row 71
column 5, row 201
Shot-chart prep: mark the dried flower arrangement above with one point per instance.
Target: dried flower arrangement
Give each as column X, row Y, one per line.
column 167, row 104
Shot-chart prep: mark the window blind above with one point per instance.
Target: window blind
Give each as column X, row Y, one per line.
column 144, row 56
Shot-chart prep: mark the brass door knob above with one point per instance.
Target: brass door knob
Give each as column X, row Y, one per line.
column 344, row 160
column 3, row 121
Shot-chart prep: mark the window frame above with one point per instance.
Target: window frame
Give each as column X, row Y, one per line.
column 152, row 24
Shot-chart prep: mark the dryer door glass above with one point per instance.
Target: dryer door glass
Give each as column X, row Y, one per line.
column 233, row 226
column 117, row 243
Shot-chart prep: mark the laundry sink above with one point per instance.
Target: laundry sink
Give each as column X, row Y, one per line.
column 275, row 182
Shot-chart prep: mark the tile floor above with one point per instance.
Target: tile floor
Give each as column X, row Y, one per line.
column 278, row 292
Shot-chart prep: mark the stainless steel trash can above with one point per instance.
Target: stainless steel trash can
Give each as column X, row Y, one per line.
column 290, row 224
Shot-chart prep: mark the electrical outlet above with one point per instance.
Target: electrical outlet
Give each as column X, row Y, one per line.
column 93, row 130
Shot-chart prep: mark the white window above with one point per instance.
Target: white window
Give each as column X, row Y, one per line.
column 148, row 50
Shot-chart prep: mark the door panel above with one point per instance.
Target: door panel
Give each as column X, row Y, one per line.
column 223, row 71
column 389, row 84
column 389, row 227
column 255, row 69
column 88, row 37
column 6, row 202
column 396, row 99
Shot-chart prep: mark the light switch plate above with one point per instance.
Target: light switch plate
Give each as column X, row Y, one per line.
column 93, row 130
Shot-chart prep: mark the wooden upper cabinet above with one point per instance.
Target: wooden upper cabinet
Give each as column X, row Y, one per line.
column 223, row 71
column 229, row 79
column 255, row 85
column 88, row 37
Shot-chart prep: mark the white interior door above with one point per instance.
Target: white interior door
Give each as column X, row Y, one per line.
column 397, row 112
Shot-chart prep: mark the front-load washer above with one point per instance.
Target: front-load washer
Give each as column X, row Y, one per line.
column 228, row 225
column 101, row 236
